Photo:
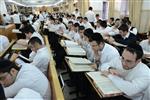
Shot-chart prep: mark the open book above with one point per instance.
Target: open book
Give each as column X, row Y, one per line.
column 69, row 43
column 17, row 46
column 76, row 51
column 79, row 61
column 104, row 84
column 76, row 67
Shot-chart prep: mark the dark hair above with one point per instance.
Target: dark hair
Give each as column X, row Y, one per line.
column 85, row 18
column 88, row 33
column 28, row 29
column 97, row 15
column 103, row 24
column 6, row 65
column 128, row 22
column 98, row 38
column 112, row 18
column 81, row 27
column 76, row 25
column 90, row 8
column 135, row 48
column 34, row 40
column 123, row 27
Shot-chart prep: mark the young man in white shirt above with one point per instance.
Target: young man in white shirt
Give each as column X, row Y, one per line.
column 129, row 74
column 41, row 57
column 103, row 52
column 14, row 78
column 90, row 15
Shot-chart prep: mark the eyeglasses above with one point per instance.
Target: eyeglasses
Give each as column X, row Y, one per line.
column 126, row 61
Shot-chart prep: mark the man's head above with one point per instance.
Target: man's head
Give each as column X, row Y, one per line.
column 88, row 34
column 81, row 30
column 34, row 44
column 90, row 8
column 123, row 30
column 97, row 42
column 8, row 72
column 28, row 30
column 131, row 56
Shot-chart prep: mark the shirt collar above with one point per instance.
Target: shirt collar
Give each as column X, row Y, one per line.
column 127, row 35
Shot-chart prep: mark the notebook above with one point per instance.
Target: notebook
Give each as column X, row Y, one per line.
column 104, row 85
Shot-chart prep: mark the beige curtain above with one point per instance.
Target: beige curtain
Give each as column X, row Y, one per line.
column 111, row 8
column 83, row 6
column 135, row 10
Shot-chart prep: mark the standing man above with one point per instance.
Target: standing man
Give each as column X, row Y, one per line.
column 90, row 15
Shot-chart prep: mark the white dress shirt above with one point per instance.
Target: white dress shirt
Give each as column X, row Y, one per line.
column 16, row 19
column 29, row 77
column 107, row 54
column 133, row 82
column 134, row 30
column 41, row 59
column 4, row 42
column 90, row 15
column 145, row 45
column 27, row 94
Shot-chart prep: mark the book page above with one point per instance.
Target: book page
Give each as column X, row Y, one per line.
column 70, row 43
column 18, row 47
column 104, row 84
column 75, row 51
column 76, row 60
column 79, row 68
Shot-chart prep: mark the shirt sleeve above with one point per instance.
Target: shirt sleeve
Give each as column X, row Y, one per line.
column 132, row 87
column 13, row 89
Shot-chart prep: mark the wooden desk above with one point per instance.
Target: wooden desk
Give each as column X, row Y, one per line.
column 7, row 31
column 57, row 93
column 2, row 54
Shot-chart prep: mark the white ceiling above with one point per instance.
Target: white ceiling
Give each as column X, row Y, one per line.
column 33, row 3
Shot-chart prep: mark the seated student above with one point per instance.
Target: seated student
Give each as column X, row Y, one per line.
column 103, row 52
column 14, row 78
column 4, row 42
column 27, row 94
column 86, row 43
column 29, row 32
column 125, row 37
column 145, row 44
column 42, row 56
column 129, row 74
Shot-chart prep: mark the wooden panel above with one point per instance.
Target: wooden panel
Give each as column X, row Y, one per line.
column 2, row 54
column 57, row 93
column 7, row 31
